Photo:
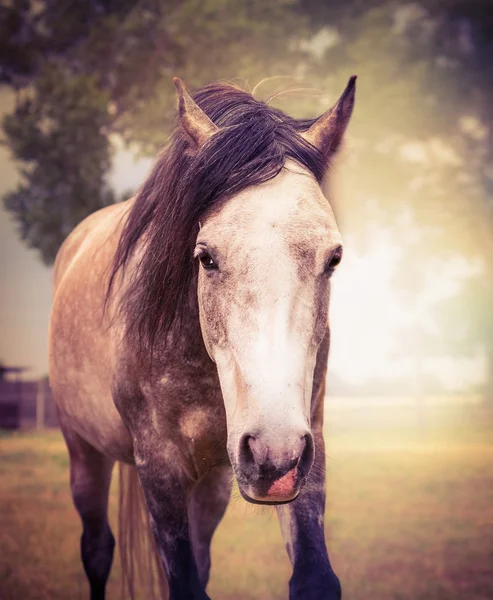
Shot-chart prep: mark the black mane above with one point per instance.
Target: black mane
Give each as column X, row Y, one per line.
column 252, row 146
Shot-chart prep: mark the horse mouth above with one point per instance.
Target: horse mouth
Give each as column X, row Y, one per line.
column 281, row 490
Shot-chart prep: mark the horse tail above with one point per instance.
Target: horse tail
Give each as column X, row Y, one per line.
column 140, row 562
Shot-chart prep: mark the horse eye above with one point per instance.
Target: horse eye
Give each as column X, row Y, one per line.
column 207, row 262
column 334, row 260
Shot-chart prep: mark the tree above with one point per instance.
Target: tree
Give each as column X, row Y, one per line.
column 86, row 71
column 58, row 134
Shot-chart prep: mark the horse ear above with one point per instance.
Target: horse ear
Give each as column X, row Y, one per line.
column 193, row 119
column 328, row 130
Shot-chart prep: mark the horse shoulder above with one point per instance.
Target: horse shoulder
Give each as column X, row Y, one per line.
column 104, row 223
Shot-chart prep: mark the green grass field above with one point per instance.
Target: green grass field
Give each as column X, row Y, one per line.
column 409, row 515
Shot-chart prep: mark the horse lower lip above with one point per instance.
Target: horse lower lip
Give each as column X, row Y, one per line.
column 267, row 500
column 284, row 486
column 278, row 491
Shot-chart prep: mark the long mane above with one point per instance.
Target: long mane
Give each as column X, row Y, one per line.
column 252, row 146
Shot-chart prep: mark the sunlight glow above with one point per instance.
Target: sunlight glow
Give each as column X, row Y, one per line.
column 376, row 330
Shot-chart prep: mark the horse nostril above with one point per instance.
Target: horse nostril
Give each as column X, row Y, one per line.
column 246, row 455
column 307, row 454
column 254, row 455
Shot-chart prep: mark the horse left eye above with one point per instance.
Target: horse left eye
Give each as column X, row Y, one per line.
column 207, row 262
column 334, row 260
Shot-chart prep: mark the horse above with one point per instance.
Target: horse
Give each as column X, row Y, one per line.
column 189, row 342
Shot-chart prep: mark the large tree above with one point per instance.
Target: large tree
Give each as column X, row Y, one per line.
column 86, row 70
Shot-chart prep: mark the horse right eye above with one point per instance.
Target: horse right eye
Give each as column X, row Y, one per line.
column 334, row 260
column 207, row 261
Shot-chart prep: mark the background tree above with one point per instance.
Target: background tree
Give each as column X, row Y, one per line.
column 85, row 71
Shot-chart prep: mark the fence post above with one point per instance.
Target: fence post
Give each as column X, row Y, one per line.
column 40, row 405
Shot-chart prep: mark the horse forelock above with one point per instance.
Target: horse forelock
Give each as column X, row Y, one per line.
column 252, row 145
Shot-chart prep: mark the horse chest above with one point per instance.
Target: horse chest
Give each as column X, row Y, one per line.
column 177, row 417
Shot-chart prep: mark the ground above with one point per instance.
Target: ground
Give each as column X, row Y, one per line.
column 409, row 514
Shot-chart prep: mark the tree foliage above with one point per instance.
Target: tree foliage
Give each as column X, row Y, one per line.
column 83, row 71
column 58, row 135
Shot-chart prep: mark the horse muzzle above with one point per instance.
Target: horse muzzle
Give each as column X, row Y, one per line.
column 273, row 471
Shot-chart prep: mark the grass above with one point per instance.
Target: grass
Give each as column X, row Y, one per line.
column 409, row 515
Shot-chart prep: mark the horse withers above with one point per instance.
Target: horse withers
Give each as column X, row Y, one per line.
column 189, row 340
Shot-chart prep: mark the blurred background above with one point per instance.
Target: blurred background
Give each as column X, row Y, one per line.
column 86, row 102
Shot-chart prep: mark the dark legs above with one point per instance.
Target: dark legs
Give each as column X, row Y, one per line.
column 207, row 505
column 184, row 517
column 90, row 477
column 167, row 498
column 302, row 525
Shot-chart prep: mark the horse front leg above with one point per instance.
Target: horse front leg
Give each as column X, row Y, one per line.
column 90, row 477
column 302, row 525
column 207, row 506
column 167, row 490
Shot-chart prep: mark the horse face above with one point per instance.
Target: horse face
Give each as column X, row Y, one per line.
column 263, row 289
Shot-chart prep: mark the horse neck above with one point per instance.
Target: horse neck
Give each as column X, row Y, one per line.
column 184, row 345
column 188, row 334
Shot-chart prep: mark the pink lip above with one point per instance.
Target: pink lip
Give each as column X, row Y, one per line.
column 284, row 487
